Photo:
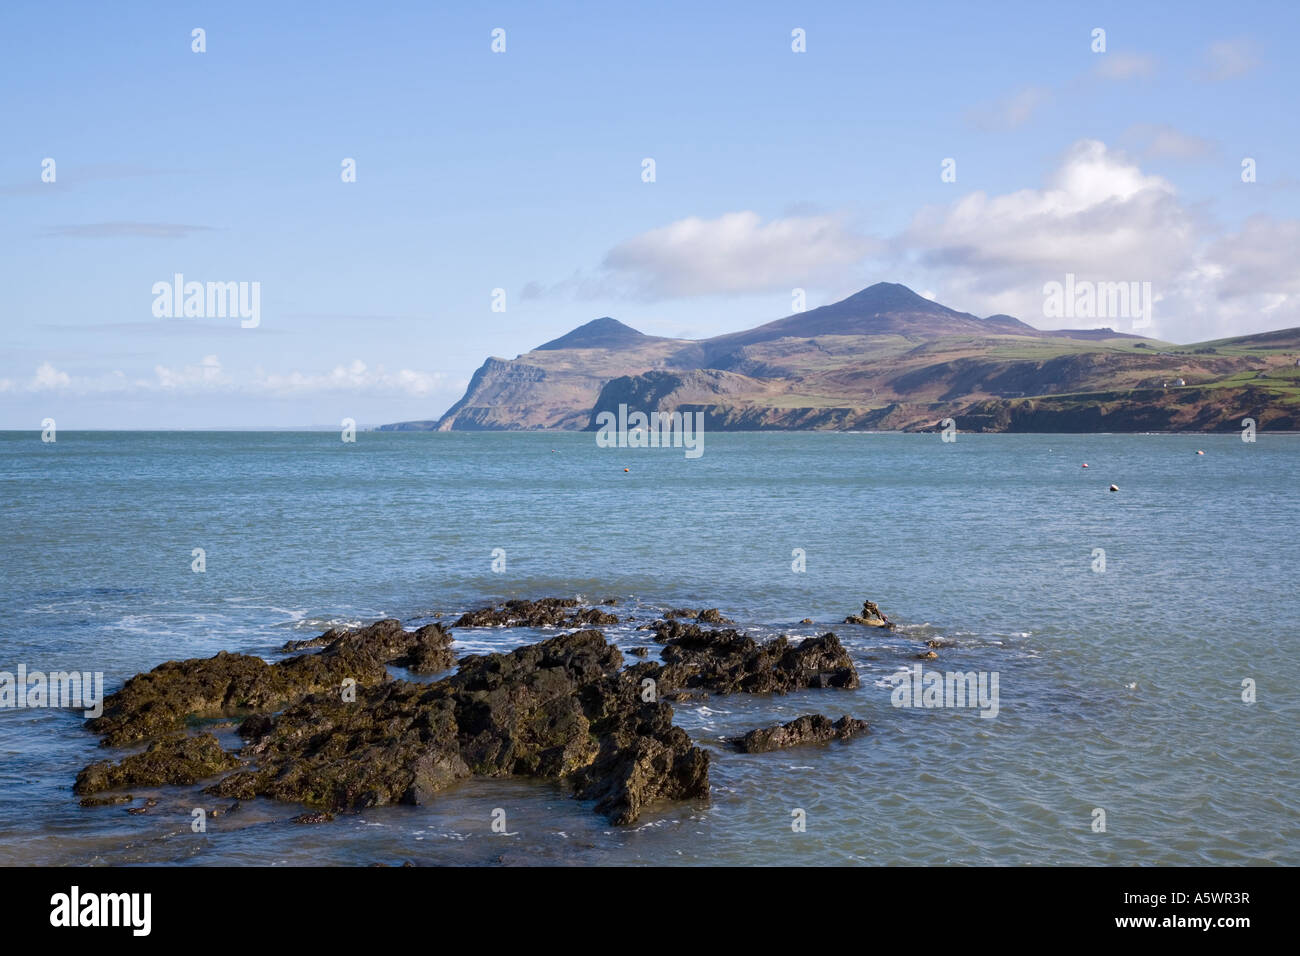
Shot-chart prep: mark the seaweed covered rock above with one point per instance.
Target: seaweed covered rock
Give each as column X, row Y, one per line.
column 546, row 612
column 177, row 760
column 561, row 709
column 229, row 684
column 728, row 662
column 429, row 651
column 808, row 729
column 334, row 731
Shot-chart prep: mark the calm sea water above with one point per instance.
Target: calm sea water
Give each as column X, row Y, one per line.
column 1119, row 690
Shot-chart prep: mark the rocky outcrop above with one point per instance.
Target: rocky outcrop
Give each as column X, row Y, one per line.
column 709, row 615
column 808, row 729
column 871, row 616
column 547, row 612
column 230, row 684
column 565, row 709
column 560, row 709
column 728, row 662
column 177, row 760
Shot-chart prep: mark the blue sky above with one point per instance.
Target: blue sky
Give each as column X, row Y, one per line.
column 522, row 170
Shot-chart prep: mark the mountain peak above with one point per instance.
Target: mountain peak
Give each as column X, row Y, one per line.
column 602, row 333
column 886, row 308
column 890, row 297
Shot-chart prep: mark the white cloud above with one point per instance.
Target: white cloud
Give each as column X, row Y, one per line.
column 208, row 375
column 1011, row 112
column 1097, row 211
column 1260, row 257
column 736, row 253
column 1231, row 58
column 1100, row 217
column 1162, row 141
column 48, row 377
column 1124, row 66
column 354, row 377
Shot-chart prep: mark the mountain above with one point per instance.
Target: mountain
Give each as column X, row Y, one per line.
column 883, row 309
column 887, row 358
column 603, row 333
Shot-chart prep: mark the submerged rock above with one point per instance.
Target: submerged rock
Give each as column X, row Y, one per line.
column 175, row 760
column 808, row 729
column 108, row 800
column 871, row 616
column 318, row 817
column 148, row 805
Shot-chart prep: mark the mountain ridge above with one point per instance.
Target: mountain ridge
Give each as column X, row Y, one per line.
column 884, row 357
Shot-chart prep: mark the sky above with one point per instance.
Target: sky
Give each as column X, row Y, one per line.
column 502, row 197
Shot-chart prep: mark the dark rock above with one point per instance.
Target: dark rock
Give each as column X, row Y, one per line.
column 639, row 651
column 871, row 616
column 707, row 616
column 561, row 709
column 927, row 656
column 592, row 617
column 808, row 729
column 806, row 620
column 430, row 651
column 712, row 616
column 317, row 817
column 159, row 701
column 254, row 726
column 108, row 800
column 173, row 760
column 564, row 709
column 728, row 662
column 547, row 612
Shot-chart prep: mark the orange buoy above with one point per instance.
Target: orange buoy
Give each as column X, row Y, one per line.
column 1085, row 464
column 1200, row 453
column 627, row 469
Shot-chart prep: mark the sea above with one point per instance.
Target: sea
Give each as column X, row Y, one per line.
column 1144, row 640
